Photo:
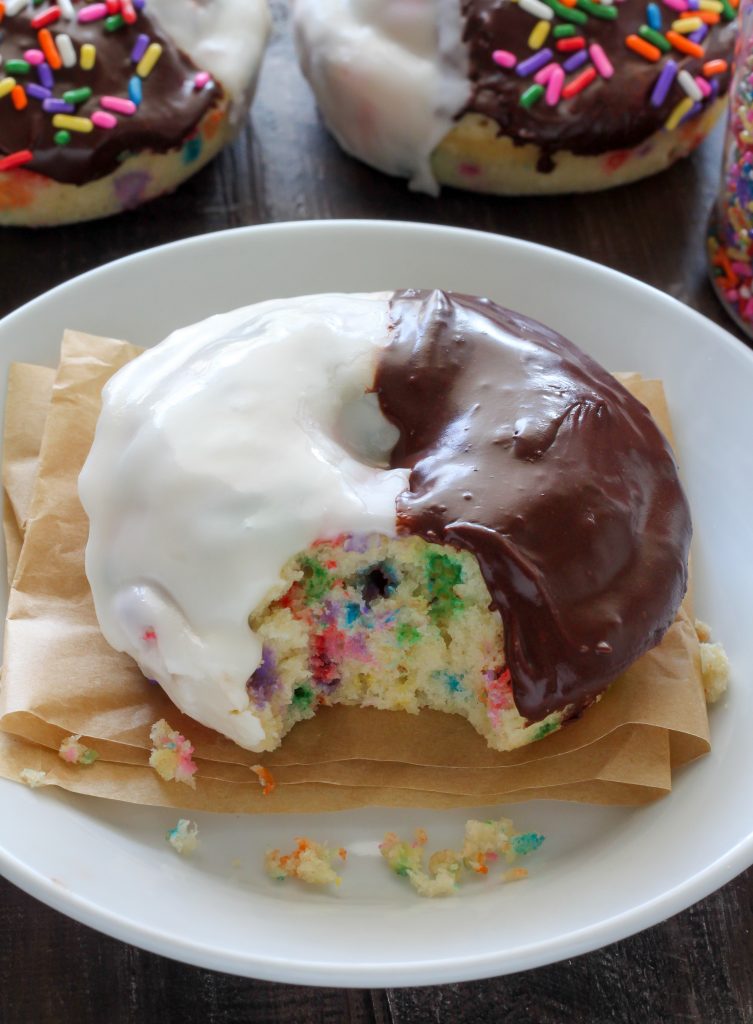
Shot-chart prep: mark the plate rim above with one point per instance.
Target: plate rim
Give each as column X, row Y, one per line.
column 420, row 972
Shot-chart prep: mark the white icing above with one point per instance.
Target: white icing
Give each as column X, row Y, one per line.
column 389, row 76
column 225, row 37
column 218, row 455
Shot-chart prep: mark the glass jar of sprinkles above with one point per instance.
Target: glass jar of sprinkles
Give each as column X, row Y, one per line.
column 730, row 240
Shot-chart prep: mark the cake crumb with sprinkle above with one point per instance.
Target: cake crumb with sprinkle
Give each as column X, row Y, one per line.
column 184, row 838
column 484, row 843
column 311, row 862
column 74, row 752
column 171, row 755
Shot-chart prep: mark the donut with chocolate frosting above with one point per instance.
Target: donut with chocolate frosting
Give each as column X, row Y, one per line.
column 411, row 499
column 528, row 454
column 512, row 97
column 105, row 105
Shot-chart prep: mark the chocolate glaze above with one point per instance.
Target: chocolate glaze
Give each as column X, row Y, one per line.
column 170, row 110
column 610, row 114
column 528, row 454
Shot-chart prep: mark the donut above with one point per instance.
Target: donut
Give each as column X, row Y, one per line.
column 401, row 500
column 517, row 96
column 104, row 106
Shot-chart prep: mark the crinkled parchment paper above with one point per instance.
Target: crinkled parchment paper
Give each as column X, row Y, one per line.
column 61, row 677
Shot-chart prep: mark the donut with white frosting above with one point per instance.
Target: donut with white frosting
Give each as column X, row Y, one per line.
column 517, row 96
column 404, row 500
column 104, row 106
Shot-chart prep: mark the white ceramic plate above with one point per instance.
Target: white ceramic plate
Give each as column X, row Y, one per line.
column 602, row 873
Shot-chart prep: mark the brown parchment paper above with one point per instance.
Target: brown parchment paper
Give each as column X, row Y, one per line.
column 60, row 676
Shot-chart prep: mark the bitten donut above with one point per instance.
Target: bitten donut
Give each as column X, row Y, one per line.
column 104, row 106
column 517, row 96
column 405, row 500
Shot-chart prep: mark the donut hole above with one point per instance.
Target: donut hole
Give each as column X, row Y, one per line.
column 363, row 432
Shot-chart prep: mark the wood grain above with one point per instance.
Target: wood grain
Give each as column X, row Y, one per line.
column 697, row 967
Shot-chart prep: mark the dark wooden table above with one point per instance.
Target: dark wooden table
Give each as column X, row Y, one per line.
column 697, row 967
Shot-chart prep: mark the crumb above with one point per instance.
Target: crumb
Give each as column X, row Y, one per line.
column 484, row 842
column 702, row 631
column 310, row 861
column 73, row 752
column 714, row 664
column 184, row 837
column 515, row 875
column 265, row 777
column 32, row 777
column 171, row 754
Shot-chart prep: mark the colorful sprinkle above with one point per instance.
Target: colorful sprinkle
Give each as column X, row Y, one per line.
column 504, row 58
column 579, row 83
column 18, row 96
column 62, row 138
column 537, row 9
column 38, row 92
column 34, row 56
column 139, row 48
column 146, row 65
column 92, row 12
column 17, row 159
column 135, row 92
column 686, row 25
column 653, row 16
column 101, row 119
column 119, row 105
column 45, row 18
column 598, row 10
column 7, row 85
column 679, row 112
column 77, row 96
column 88, row 56
column 730, row 240
column 577, row 60
column 532, row 64
column 644, row 49
column 715, row 67
column 601, row 62
column 17, row 67
column 571, row 45
column 567, row 13
column 543, row 76
column 663, row 83
column 684, row 45
column 66, row 50
column 57, row 106
column 688, row 84
column 49, row 49
column 655, row 38
column 72, row 124
column 539, row 34
column 265, row 777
